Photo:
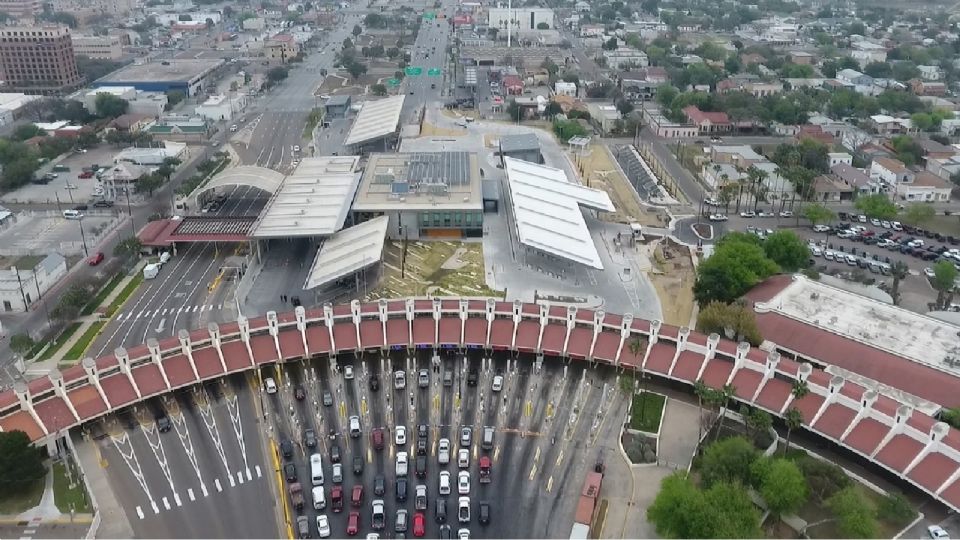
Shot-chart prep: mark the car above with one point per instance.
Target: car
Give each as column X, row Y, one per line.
column 875, row 222
column 443, row 451
column 324, row 96
column 353, row 523
column 862, row 218
column 466, row 434
column 379, row 485
column 356, row 495
column 327, row 398
column 710, row 201
column 296, row 148
column 310, row 438
column 374, row 383
column 762, row 213
column 895, row 225
column 323, row 526
column 377, row 438
column 929, row 272
column 337, row 477
column 419, row 527
column 463, row 458
column 463, row 509
column 497, row 383
column 423, row 378
column 821, row 228
column 401, row 524
column 463, row 534
column 95, row 259
column 348, row 372
column 484, row 517
column 815, row 251
column 937, row 532
column 400, row 435
column 163, row 424
column 402, row 463
column 358, row 465
column 444, row 482
column 420, row 499
column 379, row 516
column 286, row 448
column 717, row 217
column 445, row 533
column 463, row 483
column 298, row 393
column 399, row 380
column 885, row 224
column 472, row 377
column 290, row 472
column 103, row 204
column 86, row 174
column 747, row 214
column 786, row 213
column 851, row 260
column 401, row 489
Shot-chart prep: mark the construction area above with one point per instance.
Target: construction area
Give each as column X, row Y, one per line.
column 437, row 268
column 599, row 171
column 673, row 275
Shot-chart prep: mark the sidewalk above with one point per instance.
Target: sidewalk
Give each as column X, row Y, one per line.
column 113, row 520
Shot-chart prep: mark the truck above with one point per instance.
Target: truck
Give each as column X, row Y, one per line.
column 151, row 270
column 296, row 496
column 485, row 470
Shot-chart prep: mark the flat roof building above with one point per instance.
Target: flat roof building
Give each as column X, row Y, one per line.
column 525, row 146
column 187, row 75
column 38, row 59
column 377, row 121
column 426, row 194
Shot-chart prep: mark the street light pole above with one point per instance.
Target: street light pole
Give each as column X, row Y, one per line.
column 82, row 238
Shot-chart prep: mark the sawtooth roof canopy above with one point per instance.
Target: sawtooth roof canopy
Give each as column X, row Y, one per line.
column 313, row 201
column 376, row 119
column 245, row 175
column 348, row 251
column 546, row 209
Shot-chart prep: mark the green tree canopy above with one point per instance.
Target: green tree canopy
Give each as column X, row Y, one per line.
column 781, row 484
column 735, row 266
column 110, row 106
column 20, row 463
column 876, row 206
column 277, row 74
column 680, row 510
column 724, row 319
column 21, row 343
column 787, row 249
column 917, row 214
column 728, row 460
column 856, row 516
column 817, row 213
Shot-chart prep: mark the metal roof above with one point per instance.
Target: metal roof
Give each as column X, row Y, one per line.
column 376, row 119
column 348, row 251
column 431, row 181
column 313, row 201
column 520, row 142
column 546, row 209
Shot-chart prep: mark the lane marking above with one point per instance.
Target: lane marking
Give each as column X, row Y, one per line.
column 166, row 503
column 190, row 494
column 139, row 512
column 259, row 474
column 216, row 482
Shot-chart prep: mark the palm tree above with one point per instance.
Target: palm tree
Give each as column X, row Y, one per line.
column 756, row 176
column 740, row 185
column 899, row 271
column 701, row 389
column 723, row 397
column 800, row 389
column 794, row 420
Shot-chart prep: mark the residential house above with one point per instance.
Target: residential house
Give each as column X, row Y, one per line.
column 924, row 186
column 717, row 175
column 281, row 48
column 592, row 30
column 925, row 88
column 870, row 151
column 221, row 107
column 944, row 167
column 890, row 172
column 862, row 84
column 739, row 155
column 663, row 126
column 130, row 123
column 29, row 279
column 604, row 116
column 861, row 183
column 626, row 58
column 708, row 123
column 814, row 132
column 565, row 89
column 866, row 52
column 180, row 129
column 930, row 73
column 934, row 150
column 828, row 188
column 839, row 157
column 513, row 85
column 748, row 59
column 763, row 89
column 802, row 58
column 120, row 180
column 886, row 125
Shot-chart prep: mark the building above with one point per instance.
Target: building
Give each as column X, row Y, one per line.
column 281, row 48
column 663, row 126
column 742, row 156
column 923, row 186
column 926, row 88
column 852, row 77
column 839, row 157
column 890, row 171
column 152, row 156
column 565, row 89
column 604, row 116
column 256, row 24
column 336, row 106
column 28, row 279
column 131, row 122
column 21, row 9
column 120, row 180
column 100, row 47
column 861, row 183
column 865, row 52
column 190, row 76
column 802, row 58
column 38, row 59
column 179, row 128
column 521, row 19
column 523, row 146
column 708, row 123
column 114, row 7
column 626, row 58
column 221, row 107
column 930, row 73
column 139, row 102
column 886, row 125
column 828, row 188
column 11, row 104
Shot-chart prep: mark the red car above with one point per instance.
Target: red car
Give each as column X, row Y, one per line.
column 418, row 525
column 377, row 436
column 95, row 259
column 356, row 497
column 86, row 174
column 353, row 523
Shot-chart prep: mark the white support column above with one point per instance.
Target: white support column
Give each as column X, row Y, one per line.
column 866, row 405
column 904, row 412
column 713, row 340
column 937, row 432
column 273, row 326
column 464, row 314
column 769, row 370
column 382, row 305
column 491, row 306
column 598, row 317
column 739, row 358
column 836, row 384
column 93, row 379
column 187, row 349
column 56, row 377
column 123, row 360
column 543, row 319
column 954, row 476
column 154, row 347
column 625, row 332
column 517, row 317
column 803, row 373
column 654, row 338
column 436, row 323
column 328, row 320
column 356, row 317
column 22, row 392
column 214, row 330
column 682, row 336
column 571, row 324
column 409, row 306
column 300, row 313
column 244, row 324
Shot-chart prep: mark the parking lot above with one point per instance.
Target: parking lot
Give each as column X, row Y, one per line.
column 67, row 186
column 43, row 232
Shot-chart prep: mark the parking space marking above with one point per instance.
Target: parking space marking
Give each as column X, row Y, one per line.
column 129, row 456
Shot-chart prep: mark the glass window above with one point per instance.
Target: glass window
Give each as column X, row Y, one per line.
column 469, row 217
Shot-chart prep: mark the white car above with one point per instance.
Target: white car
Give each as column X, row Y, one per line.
column 862, row 218
column 829, row 255
column 401, row 435
column 875, row 222
column 444, row 482
column 463, row 509
column 443, row 451
column 323, row 526
column 463, row 534
column 885, row 224
column 937, row 532
column 497, row 383
column 348, row 372
column 463, row 483
column 786, row 213
column 815, row 251
column 717, row 217
column 402, row 464
column 821, row 228
column 296, row 148
column 896, row 225
column 747, row 214
column 399, row 380
column 270, row 385
column 929, row 272
column 324, row 96
column 463, row 458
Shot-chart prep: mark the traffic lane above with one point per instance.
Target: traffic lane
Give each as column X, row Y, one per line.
column 123, row 475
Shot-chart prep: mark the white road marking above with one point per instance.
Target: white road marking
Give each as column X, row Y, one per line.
column 216, row 482
column 139, row 512
column 190, row 494
column 233, row 483
column 164, row 311
column 249, row 476
column 126, row 451
column 233, row 406
column 259, row 474
column 176, row 499
column 183, row 434
column 203, row 405
column 156, row 445
column 156, row 509
column 240, row 477
column 166, row 503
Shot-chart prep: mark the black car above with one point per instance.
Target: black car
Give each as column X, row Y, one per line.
column 484, row 512
column 335, row 453
column 421, row 466
column 421, row 447
column 286, row 448
column 379, row 485
column 290, row 470
column 163, row 424
column 358, row 465
column 401, row 490
column 473, row 377
column 299, row 393
column 80, row 207
column 310, row 438
column 441, row 510
column 422, row 431
column 374, row 383
column 103, row 204
column 327, row 398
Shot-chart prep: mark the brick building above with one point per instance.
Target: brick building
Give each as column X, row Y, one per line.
column 38, row 60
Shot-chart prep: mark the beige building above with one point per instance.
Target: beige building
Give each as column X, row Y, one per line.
column 100, row 47
column 21, row 9
column 38, row 59
column 281, row 47
column 115, row 7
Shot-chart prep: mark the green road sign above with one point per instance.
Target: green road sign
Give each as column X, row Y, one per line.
column 429, row 15
column 393, row 82
column 413, row 71
column 434, row 72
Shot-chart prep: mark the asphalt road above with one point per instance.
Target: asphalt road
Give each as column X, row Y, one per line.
column 429, row 52
column 204, row 478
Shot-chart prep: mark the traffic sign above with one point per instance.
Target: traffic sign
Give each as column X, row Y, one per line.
column 434, row 72
column 413, row 71
column 393, row 82
column 429, row 15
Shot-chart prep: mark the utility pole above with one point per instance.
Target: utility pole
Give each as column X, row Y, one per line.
column 82, row 238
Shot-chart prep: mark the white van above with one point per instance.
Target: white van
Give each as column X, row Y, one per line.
column 354, row 426
column 316, row 469
column 73, row 214
column 164, row 257
column 319, row 499
column 150, row 271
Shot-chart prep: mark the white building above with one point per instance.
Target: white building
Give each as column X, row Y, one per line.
column 562, row 88
column 120, row 178
column 10, row 105
column 930, row 73
column 865, row 52
column 148, row 103
column 626, row 58
column 522, row 19
column 100, row 47
column 256, row 24
column 837, row 158
column 221, row 107
column 21, row 287
column 152, row 156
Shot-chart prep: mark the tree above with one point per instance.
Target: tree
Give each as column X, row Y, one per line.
column 20, row 463
column 917, row 214
column 22, row 344
column 127, row 248
column 878, row 70
column 856, row 517
column 149, row 183
column 514, row 111
column 277, row 74
column 876, row 205
column 782, row 486
column 552, row 109
column 18, row 172
column 610, row 44
column 110, row 106
column 378, row 90
column 680, row 510
column 793, row 418
column 817, row 213
column 728, row 460
column 759, row 421
column 734, row 321
column 732, row 270
column 543, row 26
column 26, row 131
column 567, row 129
column 899, row 272
column 945, row 282
column 87, row 139
column 356, row 69
column 174, row 97
column 787, row 249
column 356, row 30
column 724, row 395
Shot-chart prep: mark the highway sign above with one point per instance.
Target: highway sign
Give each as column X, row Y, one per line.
column 434, row 72
column 393, row 82
column 429, row 15
column 413, row 71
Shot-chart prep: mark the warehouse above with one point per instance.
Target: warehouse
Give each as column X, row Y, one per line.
column 190, row 76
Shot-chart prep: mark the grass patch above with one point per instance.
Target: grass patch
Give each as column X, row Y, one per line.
column 645, row 411
column 23, row 501
column 124, row 295
column 102, row 295
column 67, row 333
column 80, row 347
column 314, row 118
column 69, row 497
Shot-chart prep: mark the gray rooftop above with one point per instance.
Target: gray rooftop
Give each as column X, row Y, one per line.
column 427, row 180
column 520, row 142
column 340, row 100
column 173, row 70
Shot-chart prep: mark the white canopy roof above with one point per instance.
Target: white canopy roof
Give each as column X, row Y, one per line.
column 376, row 119
column 348, row 251
column 546, row 209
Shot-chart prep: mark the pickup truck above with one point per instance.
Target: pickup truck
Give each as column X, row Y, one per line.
column 402, row 464
column 296, row 496
column 421, row 500
column 378, row 515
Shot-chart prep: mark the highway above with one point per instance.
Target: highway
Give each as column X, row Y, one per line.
column 429, row 52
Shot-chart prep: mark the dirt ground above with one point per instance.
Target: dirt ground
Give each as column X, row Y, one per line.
column 430, row 130
column 673, row 276
column 438, row 268
column 600, row 172
column 337, row 84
